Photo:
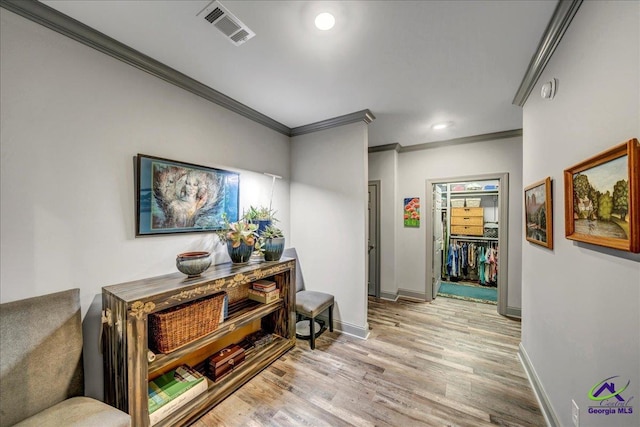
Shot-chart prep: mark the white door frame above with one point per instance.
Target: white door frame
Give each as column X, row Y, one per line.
column 503, row 232
column 436, row 218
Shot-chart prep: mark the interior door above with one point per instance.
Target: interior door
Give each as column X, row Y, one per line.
column 438, row 240
column 373, row 288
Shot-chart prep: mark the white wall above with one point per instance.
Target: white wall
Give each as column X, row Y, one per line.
column 328, row 218
column 416, row 167
column 72, row 119
column 581, row 302
column 383, row 167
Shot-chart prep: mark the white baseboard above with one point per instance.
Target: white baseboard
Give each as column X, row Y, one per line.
column 353, row 330
column 407, row 293
column 514, row 312
column 347, row 328
column 538, row 389
column 389, row 296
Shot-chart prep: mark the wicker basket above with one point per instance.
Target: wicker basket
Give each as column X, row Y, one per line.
column 473, row 203
column 173, row 328
column 238, row 293
column 457, row 203
column 491, row 232
column 490, row 229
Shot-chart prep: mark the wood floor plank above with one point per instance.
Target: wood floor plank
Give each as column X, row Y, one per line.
column 445, row 363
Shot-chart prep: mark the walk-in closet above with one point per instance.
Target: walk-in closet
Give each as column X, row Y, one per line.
column 467, row 256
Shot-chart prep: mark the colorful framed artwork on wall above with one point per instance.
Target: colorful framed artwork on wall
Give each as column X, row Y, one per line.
column 412, row 212
column 178, row 197
column 602, row 196
column 538, row 213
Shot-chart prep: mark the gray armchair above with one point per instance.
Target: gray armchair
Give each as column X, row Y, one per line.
column 310, row 304
column 41, row 373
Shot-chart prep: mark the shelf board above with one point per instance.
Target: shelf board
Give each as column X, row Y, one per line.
column 465, row 237
column 478, row 192
column 256, row 360
column 242, row 317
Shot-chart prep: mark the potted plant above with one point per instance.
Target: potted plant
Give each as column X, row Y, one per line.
column 272, row 243
column 240, row 238
column 260, row 215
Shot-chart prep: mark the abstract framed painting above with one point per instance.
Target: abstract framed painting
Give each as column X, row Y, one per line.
column 178, row 197
column 601, row 196
column 538, row 213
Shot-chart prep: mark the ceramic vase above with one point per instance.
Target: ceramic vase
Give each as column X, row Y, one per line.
column 262, row 225
column 241, row 254
column 273, row 249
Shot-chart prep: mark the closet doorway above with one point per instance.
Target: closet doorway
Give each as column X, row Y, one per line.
column 467, row 238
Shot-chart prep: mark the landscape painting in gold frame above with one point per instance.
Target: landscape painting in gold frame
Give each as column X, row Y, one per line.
column 601, row 197
column 538, row 213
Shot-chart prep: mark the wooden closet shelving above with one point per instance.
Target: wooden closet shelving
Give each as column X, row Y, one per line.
column 126, row 308
column 468, row 222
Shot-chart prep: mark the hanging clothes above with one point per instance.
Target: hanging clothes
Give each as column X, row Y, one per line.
column 453, row 260
column 493, row 269
column 464, row 265
column 487, row 266
column 481, row 265
column 473, row 261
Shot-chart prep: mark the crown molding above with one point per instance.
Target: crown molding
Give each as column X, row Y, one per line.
column 464, row 140
column 359, row 116
column 562, row 16
column 448, row 142
column 387, row 147
column 63, row 24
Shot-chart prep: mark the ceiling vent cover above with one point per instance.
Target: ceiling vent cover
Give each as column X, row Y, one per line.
column 232, row 28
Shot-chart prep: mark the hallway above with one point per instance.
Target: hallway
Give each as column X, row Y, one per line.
column 444, row 363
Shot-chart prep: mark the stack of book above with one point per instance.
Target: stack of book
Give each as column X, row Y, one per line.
column 264, row 291
column 172, row 390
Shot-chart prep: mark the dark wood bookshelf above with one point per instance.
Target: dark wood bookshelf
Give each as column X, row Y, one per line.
column 126, row 342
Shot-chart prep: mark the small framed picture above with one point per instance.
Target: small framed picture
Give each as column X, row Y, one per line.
column 538, row 213
column 601, row 196
column 411, row 213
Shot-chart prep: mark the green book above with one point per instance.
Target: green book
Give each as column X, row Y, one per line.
column 166, row 388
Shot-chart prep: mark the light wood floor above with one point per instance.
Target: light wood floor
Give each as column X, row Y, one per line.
column 446, row 363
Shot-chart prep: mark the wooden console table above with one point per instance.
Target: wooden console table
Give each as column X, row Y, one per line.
column 126, row 308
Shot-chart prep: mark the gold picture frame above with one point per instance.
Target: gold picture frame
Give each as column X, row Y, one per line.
column 538, row 213
column 601, row 196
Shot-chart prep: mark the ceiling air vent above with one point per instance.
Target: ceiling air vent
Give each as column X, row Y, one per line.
column 233, row 29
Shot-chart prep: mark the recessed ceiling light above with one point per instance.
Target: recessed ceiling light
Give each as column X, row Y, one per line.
column 325, row 21
column 440, row 126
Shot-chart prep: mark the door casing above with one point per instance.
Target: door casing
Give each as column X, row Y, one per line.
column 374, row 225
column 437, row 243
column 503, row 232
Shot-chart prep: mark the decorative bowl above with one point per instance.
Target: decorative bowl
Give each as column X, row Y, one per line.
column 193, row 264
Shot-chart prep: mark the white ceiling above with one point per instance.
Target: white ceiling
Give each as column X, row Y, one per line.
column 412, row 63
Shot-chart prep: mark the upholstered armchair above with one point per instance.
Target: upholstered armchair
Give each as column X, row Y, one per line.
column 41, row 372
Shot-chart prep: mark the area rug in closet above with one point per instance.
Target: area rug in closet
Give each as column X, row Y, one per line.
column 468, row 292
